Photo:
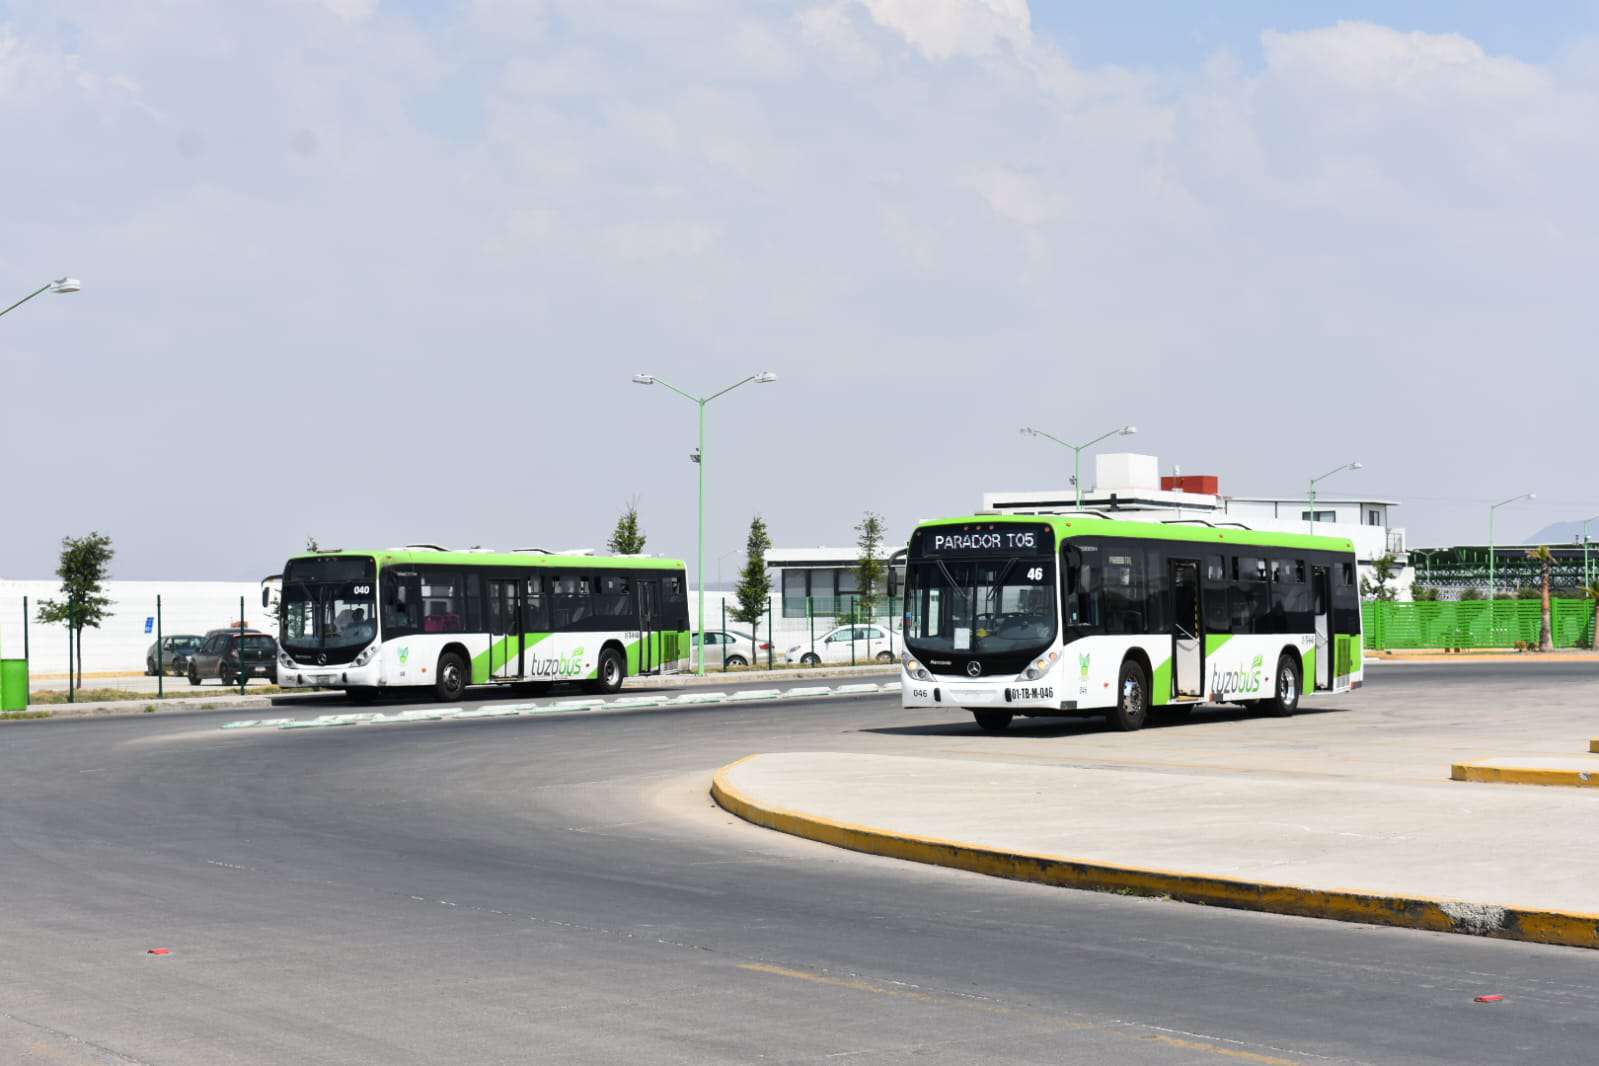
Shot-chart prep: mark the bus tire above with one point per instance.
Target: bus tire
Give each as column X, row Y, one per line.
column 1132, row 698
column 1286, row 688
column 610, row 672
column 449, row 683
column 992, row 721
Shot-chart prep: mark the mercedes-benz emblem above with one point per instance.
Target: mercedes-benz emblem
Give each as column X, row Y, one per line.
column 322, row 659
column 974, row 668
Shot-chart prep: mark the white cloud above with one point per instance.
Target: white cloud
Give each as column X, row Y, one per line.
column 943, row 29
column 704, row 180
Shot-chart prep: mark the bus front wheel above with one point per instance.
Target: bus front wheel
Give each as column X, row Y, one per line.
column 1132, row 698
column 1285, row 698
column 992, row 721
column 450, row 682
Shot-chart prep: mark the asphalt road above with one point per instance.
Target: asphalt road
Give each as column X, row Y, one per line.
column 561, row 890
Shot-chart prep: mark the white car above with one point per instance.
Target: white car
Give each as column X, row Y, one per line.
column 871, row 643
column 730, row 646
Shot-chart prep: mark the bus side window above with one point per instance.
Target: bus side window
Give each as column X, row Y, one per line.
column 1217, row 590
column 1082, row 586
column 535, row 611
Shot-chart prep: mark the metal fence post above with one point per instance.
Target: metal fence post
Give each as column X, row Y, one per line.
column 769, row 649
column 160, row 656
column 71, row 675
column 724, row 630
column 243, row 676
column 25, row 627
column 854, row 616
column 810, row 617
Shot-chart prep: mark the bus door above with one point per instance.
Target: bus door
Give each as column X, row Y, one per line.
column 1187, row 645
column 649, row 624
column 1321, row 596
column 505, row 628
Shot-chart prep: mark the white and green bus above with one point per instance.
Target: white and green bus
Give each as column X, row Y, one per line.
column 1076, row 614
column 422, row 616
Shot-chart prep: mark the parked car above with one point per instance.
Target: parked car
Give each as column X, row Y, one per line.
column 174, row 657
column 870, row 643
column 219, row 656
column 734, row 644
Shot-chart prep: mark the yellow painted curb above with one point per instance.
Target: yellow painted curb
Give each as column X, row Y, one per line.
column 1407, row 912
column 1524, row 775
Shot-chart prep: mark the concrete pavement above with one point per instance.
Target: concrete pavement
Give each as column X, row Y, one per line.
column 561, row 888
column 1334, row 813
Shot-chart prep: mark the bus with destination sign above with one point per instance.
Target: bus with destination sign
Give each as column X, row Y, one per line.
column 1043, row 615
column 422, row 616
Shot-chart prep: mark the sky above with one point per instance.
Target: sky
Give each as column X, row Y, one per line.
column 380, row 271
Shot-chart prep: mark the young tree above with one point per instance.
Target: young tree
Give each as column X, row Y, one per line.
column 754, row 592
column 627, row 538
column 83, row 566
column 1383, row 569
column 1546, row 566
column 870, row 570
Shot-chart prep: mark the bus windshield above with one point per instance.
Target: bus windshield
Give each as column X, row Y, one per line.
column 328, row 602
column 980, row 606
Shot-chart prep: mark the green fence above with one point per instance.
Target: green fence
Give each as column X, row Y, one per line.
column 1474, row 623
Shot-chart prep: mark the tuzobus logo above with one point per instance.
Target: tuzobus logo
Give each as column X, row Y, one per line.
column 1237, row 682
column 1082, row 665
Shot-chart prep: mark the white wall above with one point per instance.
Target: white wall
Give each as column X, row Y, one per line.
column 119, row 645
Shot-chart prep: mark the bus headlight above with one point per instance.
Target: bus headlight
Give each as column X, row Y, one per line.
column 284, row 660
column 368, row 654
column 914, row 668
column 1040, row 667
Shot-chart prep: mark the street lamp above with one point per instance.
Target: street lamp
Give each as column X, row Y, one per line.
column 1328, row 474
column 1077, row 452
column 1491, row 510
column 61, row 285
column 765, row 377
column 1587, row 572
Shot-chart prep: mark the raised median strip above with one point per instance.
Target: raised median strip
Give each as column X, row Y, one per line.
column 1536, row 925
column 1522, row 770
column 570, row 706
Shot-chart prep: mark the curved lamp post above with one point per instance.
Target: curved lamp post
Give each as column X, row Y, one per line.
column 765, row 377
column 1312, row 491
column 1077, row 452
column 1492, row 589
column 61, row 285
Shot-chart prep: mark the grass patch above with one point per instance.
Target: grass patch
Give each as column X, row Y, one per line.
column 17, row 716
column 48, row 696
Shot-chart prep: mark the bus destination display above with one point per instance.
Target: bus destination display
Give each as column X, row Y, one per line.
column 1007, row 539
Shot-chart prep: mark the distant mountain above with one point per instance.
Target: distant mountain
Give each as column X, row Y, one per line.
column 1563, row 533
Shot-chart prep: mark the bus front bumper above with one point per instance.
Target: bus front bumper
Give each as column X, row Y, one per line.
column 309, row 675
column 1031, row 697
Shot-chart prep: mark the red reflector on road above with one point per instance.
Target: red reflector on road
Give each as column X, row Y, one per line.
column 159, row 951
column 1489, row 999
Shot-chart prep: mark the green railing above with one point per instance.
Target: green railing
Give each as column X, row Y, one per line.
column 1463, row 624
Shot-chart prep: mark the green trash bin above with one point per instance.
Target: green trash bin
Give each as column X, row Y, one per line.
column 13, row 684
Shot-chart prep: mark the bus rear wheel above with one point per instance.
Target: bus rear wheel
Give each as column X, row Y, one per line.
column 992, row 721
column 1285, row 697
column 609, row 673
column 450, row 681
column 1132, row 698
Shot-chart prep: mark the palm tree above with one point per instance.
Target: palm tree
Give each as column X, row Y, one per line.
column 1546, row 564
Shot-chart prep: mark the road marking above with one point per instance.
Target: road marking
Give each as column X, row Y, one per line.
column 568, row 706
